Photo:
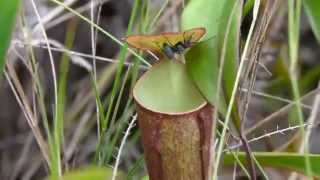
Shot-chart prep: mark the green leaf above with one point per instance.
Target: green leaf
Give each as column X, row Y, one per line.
column 290, row 161
column 312, row 8
column 203, row 70
column 203, row 60
column 145, row 178
column 167, row 88
column 91, row 173
column 8, row 11
column 203, row 13
column 248, row 7
column 309, row 79
column 232, row 47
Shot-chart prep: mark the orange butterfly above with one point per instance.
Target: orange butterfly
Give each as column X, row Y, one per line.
column 167, row 43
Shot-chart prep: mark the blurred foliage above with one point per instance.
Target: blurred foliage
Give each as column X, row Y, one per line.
column 8, row 12
column 312, row 8
column 203, row 60
column 91, row 173
column 290, row 161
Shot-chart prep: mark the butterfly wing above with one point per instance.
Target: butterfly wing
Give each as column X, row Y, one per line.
column 194, row 35
column 144, row 42
column 154, row 43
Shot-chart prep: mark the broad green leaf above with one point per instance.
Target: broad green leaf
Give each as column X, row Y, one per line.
column 203, row 13
column 232, row 47
column 232, row 39
column 203, row 61
column 312, row 8
column 290, row 161
column 91, row 173
column 203, row 70
column 8, row 11
column 167, row 88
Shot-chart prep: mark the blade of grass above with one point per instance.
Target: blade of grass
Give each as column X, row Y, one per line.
column 116, row 107
column 235, row 156
column 16, row 88
column 98, row 100
column 79, row 104
column 134, row 168
column 280, row 160
column 154, row 20
column 233, row 25
column 102, row 31
column 115, row 89
column 38, row 88
column 117, row 132
column 58, row 128
column 294, row 14
column 143, row 28
column 123, row 52
column 123, row 141
column 93, row 33
column 107, row 146
column 100, row 117
column 234, row 91
column 112, row 110
column 55, row 148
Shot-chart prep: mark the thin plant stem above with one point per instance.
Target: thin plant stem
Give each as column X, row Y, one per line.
column 294, row 14
column 102, row 31
column 56, row 161
column 234, row 91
